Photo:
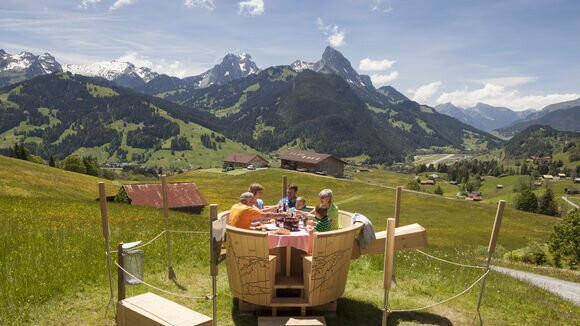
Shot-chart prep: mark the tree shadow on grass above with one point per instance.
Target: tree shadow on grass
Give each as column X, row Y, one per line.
column 424, row 318
column 349, row 312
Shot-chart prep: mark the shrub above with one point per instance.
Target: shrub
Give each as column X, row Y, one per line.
column 565, row 239
column 73, row 163
column 547, row 205
column 438, row 191
column 413, row 185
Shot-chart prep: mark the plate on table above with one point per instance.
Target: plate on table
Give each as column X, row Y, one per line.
column 271, row 227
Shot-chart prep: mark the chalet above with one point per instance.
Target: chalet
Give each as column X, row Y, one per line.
column 427, row 182
column 576, row 180
column 475, row 196
column 571, row 191
column 453, row 182
column 548, row 177
column 313, row 162
column 562, row 175
column 363, row 169
column 498, row 186
column 434, row 176
column 183, row 196
column 243, row 160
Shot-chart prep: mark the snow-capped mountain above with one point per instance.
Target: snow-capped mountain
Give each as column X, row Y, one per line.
column 24, row 65
column 232, row 67
column 333, row 62
column 121, row 73
column 300, row 65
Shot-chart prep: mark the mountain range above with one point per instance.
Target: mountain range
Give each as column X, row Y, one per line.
column 483, row 116
column 563, row 116
column 25, row 65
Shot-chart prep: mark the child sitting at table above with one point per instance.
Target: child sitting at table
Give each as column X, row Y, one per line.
column 301, row 204
column 322, row 220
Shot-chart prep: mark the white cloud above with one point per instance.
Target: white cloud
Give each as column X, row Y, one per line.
column 206, row 4
column 425, row 92
column 251, row 7
column 367, row 64
column 380, row 80
column 335, row 35
column 511, row 81
column 380, row 5
column 121, row 3
column 498, row 95
column 86, row 3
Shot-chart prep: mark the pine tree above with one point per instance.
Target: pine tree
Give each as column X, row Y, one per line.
column 438, row 191
column 527, row 201
column 52, row 162
column 547, row 205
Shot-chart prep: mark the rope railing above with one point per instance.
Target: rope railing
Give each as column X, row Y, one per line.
column 207, row 297
column 162, row 233
column 444, row 301
column 448, row 261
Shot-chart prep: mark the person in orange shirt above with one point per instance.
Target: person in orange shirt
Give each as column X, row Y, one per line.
column 243, row 213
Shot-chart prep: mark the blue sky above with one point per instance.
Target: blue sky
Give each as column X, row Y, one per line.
column 519, row 54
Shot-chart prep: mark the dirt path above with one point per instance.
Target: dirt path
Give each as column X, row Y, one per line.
column 569, row 202
column 440, row 159
column 565, row 289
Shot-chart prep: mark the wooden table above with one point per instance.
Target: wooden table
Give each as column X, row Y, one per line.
column 299, row 240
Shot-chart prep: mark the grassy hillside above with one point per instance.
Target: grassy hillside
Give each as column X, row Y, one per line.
column 52, row 252
column 62, row 114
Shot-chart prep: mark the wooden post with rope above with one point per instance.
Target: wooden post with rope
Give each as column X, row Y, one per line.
column 213, row 263
column 106, row 234
column 397, row 216
column 388, row 266
column 491, row 247
column 121, row 291
column 284, row 185
column 170, row 270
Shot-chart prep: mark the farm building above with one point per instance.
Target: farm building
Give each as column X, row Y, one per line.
column 181, row 196
column 548, row 177
column 427, row 182
column 474, row 195
column 453, row 182
column 499, row 186
column 363, row 169
column 571, row 191
column 562, row 175
column 313, row 162
column 576, row 180
column 242, row 160
column 434, row 176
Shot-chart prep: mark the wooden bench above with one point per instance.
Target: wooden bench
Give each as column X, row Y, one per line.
column 149, row 309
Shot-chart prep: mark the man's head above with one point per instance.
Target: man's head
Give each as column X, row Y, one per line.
column 256, row 189
column 292, row 190
column 247, row 198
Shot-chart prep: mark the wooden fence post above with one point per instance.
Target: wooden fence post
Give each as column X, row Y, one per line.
column 213, row 263
column 170, row 270
column 106, row 233
column 121, row 294
column 284, row 185
column 388, row 266
column 491, row 247
column 397, row 205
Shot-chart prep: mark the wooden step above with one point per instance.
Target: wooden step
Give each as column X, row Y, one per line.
column 288, row 282
column 291, row 321
column 289, row 302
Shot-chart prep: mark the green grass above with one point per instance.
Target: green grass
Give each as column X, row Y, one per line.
column 424, row 126
column 51, row 249
column 100, row 91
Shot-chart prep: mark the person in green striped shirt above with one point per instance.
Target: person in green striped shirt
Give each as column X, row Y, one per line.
column 323, row 222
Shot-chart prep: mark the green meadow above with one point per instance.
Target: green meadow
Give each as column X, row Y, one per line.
column 54, row 269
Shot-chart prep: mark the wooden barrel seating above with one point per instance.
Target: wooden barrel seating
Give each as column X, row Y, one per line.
column 251, row 267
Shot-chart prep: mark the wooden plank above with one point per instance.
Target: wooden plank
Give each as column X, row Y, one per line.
column 289, row 302
column 292, row 321
column 289, row 282
column 149, row 309
column 121, row 294
column 406, row 237
column 288, row 260
column 389, row 253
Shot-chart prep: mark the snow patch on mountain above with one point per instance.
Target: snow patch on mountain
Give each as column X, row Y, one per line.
column 112, row 70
